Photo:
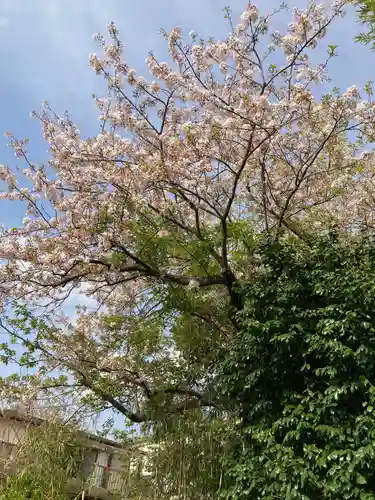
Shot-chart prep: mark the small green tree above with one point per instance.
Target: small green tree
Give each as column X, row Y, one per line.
column 302, row 375
column 45, row 461
column 186, row 460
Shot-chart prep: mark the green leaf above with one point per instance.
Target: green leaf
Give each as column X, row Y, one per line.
column 360, row 479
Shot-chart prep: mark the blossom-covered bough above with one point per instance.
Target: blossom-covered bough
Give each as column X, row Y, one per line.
column 156, row 214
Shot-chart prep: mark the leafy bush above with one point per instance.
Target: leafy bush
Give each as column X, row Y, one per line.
column 302, row 374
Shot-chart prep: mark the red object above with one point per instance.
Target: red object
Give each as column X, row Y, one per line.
column 107, row 468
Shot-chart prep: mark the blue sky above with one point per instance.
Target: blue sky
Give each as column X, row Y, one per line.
column 44, row 48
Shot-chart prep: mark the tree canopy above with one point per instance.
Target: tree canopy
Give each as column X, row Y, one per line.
column 301, row 374
column 156, row 215
column 197, row 218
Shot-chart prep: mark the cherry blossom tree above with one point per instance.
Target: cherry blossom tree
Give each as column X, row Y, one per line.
column 156, row 216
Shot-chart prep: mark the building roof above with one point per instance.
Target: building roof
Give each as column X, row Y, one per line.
column 37, row 421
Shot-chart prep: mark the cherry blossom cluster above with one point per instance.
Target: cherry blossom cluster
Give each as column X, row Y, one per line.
column 223, row 134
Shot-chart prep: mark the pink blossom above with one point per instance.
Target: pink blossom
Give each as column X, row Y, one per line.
column 212, row 137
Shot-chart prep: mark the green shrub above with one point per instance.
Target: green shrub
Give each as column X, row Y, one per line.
column 302, row 375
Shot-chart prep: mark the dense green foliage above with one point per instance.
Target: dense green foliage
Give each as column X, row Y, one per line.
column 302, row 374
